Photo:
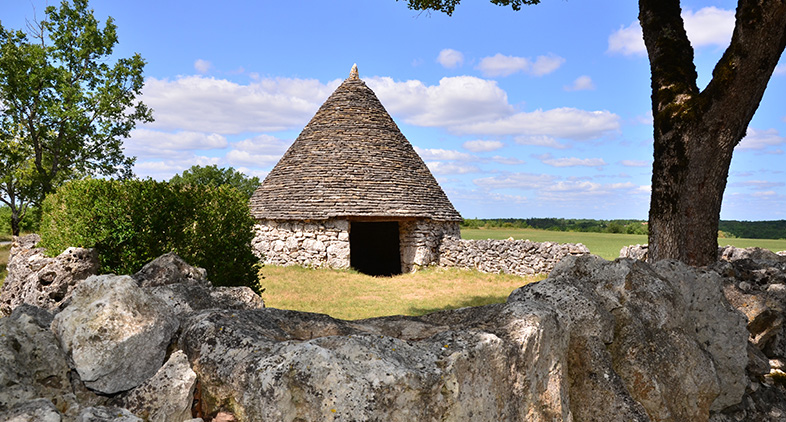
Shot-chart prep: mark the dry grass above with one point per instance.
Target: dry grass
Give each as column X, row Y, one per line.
column 4, row 251
column 347, row 294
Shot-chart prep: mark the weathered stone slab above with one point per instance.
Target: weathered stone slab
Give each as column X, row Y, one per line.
column 114, row 332
column 36, row 279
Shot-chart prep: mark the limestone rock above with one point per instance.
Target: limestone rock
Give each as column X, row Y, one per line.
column 115, row 333
column 38, row 280
column 32, row 365
column 282, row 365
column 186, row 298
column 186, row 289
column 638, row 252
column 170, row 269
column 38, row 410
column 596, row 341
column 666, row 355
column 106, row 414
column 718, row 325
column 167, row 396
column 761, row 257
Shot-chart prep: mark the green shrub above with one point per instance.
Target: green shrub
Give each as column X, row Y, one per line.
column 132, row 222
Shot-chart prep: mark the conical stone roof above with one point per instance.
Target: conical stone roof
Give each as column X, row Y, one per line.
column 351, row 160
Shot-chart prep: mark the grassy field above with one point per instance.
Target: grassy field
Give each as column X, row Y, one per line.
column 4, row 251
column 606, row 245
column 350, row 295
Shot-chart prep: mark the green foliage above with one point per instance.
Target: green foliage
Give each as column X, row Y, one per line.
column 561, row 224
column 64, row 106
column 754, row 229
column 133, row 222
column 214, row 176
column 448, row 6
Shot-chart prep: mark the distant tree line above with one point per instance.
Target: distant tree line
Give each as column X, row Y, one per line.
column 754, row 229
column 745, row 229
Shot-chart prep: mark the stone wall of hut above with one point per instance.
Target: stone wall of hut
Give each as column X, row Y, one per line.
column 308, row 244
column 326, row 243
column 420, row 241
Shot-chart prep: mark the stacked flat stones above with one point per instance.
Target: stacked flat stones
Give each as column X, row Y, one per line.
column 351, row 160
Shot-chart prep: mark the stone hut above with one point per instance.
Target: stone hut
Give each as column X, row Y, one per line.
column 352, row 192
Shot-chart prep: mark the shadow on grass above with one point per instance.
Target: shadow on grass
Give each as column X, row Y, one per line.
column 471, row 301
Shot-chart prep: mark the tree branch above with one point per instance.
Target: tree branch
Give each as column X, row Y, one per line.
column 741, row 75
column 670, row 53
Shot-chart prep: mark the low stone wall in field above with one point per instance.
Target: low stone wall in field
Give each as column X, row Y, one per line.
column 520, row 257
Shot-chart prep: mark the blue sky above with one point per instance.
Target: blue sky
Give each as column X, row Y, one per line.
column 543, row 112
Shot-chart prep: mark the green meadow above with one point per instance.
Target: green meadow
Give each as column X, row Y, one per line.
column 606, row 245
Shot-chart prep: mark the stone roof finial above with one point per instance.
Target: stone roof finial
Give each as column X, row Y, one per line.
column 353, row 74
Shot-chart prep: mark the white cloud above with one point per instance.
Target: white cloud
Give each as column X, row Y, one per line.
column 469, row 105
column 237, row 158
column 165, row 169
column 709, row 26
column 582, row 83
column 627, row 40
column 455, row 101
column 262, row 151
column 145, row 143
column 761, row 139
column 765, row 194
column 635, row 163
column 539, row 140
column 515, row 181
column 264, row 144
column 443, row 154
column 502, row 65
column 546, row 64
column 564, row 191
column 780, row 69
column 482, row 146
column 510, row 161
column 647, row 189
column 706, row 27
column 757, row 184
column 571, row 161
column 441, row 167
column 559, row 122
column 450, row 58
column 203, row 104
column 202, row 66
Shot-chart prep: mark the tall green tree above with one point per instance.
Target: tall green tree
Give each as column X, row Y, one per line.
column 695, row 131
column 214, row 176
column 65, row 108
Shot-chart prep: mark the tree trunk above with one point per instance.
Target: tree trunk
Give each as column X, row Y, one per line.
column 688, row 180
column 695, row 132
column 15, row 220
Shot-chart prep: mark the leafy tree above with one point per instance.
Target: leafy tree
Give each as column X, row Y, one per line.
column 64, row 109
column 214, row 176
column 695, row 131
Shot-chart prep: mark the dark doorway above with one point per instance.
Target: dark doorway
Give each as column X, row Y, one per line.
column 374, row 248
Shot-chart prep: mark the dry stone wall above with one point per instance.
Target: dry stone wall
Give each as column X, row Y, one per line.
column 423, row 243
column 520, row 257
